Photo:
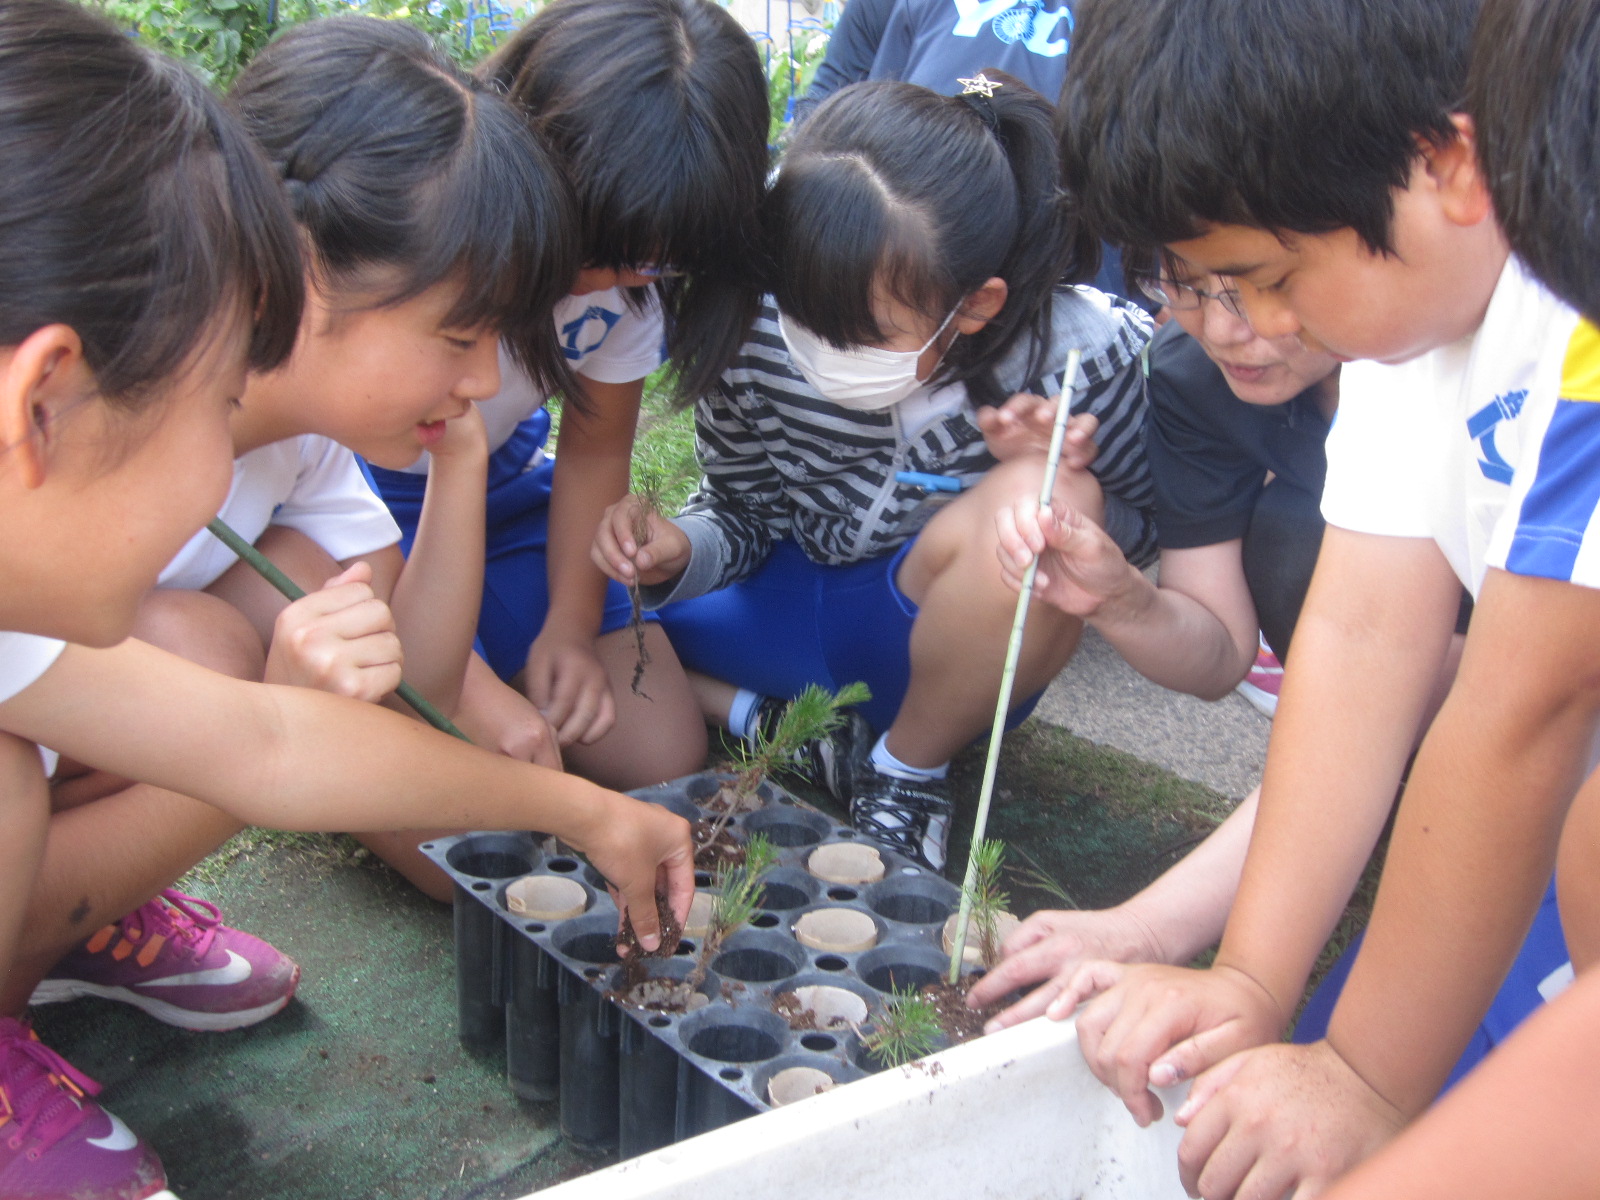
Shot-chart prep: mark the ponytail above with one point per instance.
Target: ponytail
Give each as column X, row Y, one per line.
column 890, row 185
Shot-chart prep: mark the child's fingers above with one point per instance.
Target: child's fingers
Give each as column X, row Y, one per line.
column 1196, row 1055
column 606, row 554
column 1089, row 980
column 605, row 717
column 359, row 571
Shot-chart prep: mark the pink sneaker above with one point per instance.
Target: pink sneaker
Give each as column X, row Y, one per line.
column 55, row 1142
column 1260, row 686
column 175, row 959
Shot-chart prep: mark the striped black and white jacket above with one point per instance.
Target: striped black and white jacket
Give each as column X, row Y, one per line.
column 779, row 461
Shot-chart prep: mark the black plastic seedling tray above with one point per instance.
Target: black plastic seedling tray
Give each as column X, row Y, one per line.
column 541, row 991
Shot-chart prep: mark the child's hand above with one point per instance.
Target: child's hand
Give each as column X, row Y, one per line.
column 1155, row 1026
column 1278, row 1120
column 643, row 850
column 340, row 639
column 568, row 682
column 465, row 438
column 1051, row 946
column 1024, row 425
column 1081, row 570
column 659, row 555
column 498, row 717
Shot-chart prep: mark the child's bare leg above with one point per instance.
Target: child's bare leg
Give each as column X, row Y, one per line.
column 103, row 858
column 309, row 565
column 24, row 817
column 659, row 738
column 958, row 642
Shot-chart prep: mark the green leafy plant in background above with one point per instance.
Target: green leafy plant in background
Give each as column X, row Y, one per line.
column 218, row 37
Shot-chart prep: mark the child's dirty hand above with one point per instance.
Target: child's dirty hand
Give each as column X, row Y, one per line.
column 566, row 679
column 642, row 850
column 1154, row 1026
column 339, row 639
column 1024, row 425
column 1279, row 1119
column 1081, row 570
column 1050, row 946
column 637, row 545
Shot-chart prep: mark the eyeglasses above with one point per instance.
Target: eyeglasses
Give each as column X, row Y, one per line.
column 1184, row 297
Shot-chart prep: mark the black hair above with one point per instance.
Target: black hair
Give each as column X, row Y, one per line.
column 1294, row 116
column 132, row 208
column 1534, row 96
column 892, row 186
column 658, row 113
column 393, row 158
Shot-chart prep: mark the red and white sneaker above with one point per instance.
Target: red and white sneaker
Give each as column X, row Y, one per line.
column 1260, row 686
column 176, row 960
column 55, row 1142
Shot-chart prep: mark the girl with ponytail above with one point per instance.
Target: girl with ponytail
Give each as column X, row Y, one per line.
column 920, row 245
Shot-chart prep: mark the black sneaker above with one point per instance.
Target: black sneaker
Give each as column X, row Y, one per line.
column 909, row 817
column 830, row 762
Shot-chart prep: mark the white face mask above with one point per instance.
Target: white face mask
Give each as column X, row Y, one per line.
column 864, row 378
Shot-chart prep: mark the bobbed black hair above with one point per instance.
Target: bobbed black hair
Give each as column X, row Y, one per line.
column 1294, row 116
column 657, row 111
column 1534, row 96
column 395, row 159
column 891, row 187
column 132, row 208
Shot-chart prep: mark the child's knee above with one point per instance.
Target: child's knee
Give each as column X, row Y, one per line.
column 202, row 629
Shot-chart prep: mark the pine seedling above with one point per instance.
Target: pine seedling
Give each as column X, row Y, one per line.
column 986, row 899
column 738, row 899
column 907, row 1030
column 813, row 714
column 650, row 487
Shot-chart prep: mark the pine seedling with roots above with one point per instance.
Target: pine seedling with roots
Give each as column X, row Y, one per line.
column 908, row 1029
column 738, row 899
column 986, row 899
column 650, row 487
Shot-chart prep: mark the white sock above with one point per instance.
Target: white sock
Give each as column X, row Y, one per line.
column 742, row 713
column 888, row 764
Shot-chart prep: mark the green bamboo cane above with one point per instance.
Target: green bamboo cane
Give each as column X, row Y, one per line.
column 265, row 568
column 1008, row 677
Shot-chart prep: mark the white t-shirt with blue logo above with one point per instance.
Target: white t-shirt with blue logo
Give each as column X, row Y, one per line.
column 604, row 340
column 1489, row 446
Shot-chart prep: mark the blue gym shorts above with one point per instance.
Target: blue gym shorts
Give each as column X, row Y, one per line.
column 1541, row 969
column 795, row 622
column 516, row 589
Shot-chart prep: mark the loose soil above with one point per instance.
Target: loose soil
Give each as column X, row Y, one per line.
column 716, row 849
column 633, row 954
column 787, row 1005
column 961, row 1024
column 661, row 995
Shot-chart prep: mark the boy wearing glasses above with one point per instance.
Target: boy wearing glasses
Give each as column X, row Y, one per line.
column 1315, row 154
column 1234, row 436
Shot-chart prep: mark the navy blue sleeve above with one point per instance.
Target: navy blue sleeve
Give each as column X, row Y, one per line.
column 852, row 46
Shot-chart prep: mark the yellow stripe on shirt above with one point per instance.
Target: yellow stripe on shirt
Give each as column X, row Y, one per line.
column 1580, row 370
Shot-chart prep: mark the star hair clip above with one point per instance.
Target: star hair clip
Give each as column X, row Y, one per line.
column 980, row 85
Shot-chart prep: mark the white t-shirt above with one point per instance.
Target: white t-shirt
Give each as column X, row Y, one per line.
column 603, row 339
column 1489, row 446
column 307, row 483
column 23, row 658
